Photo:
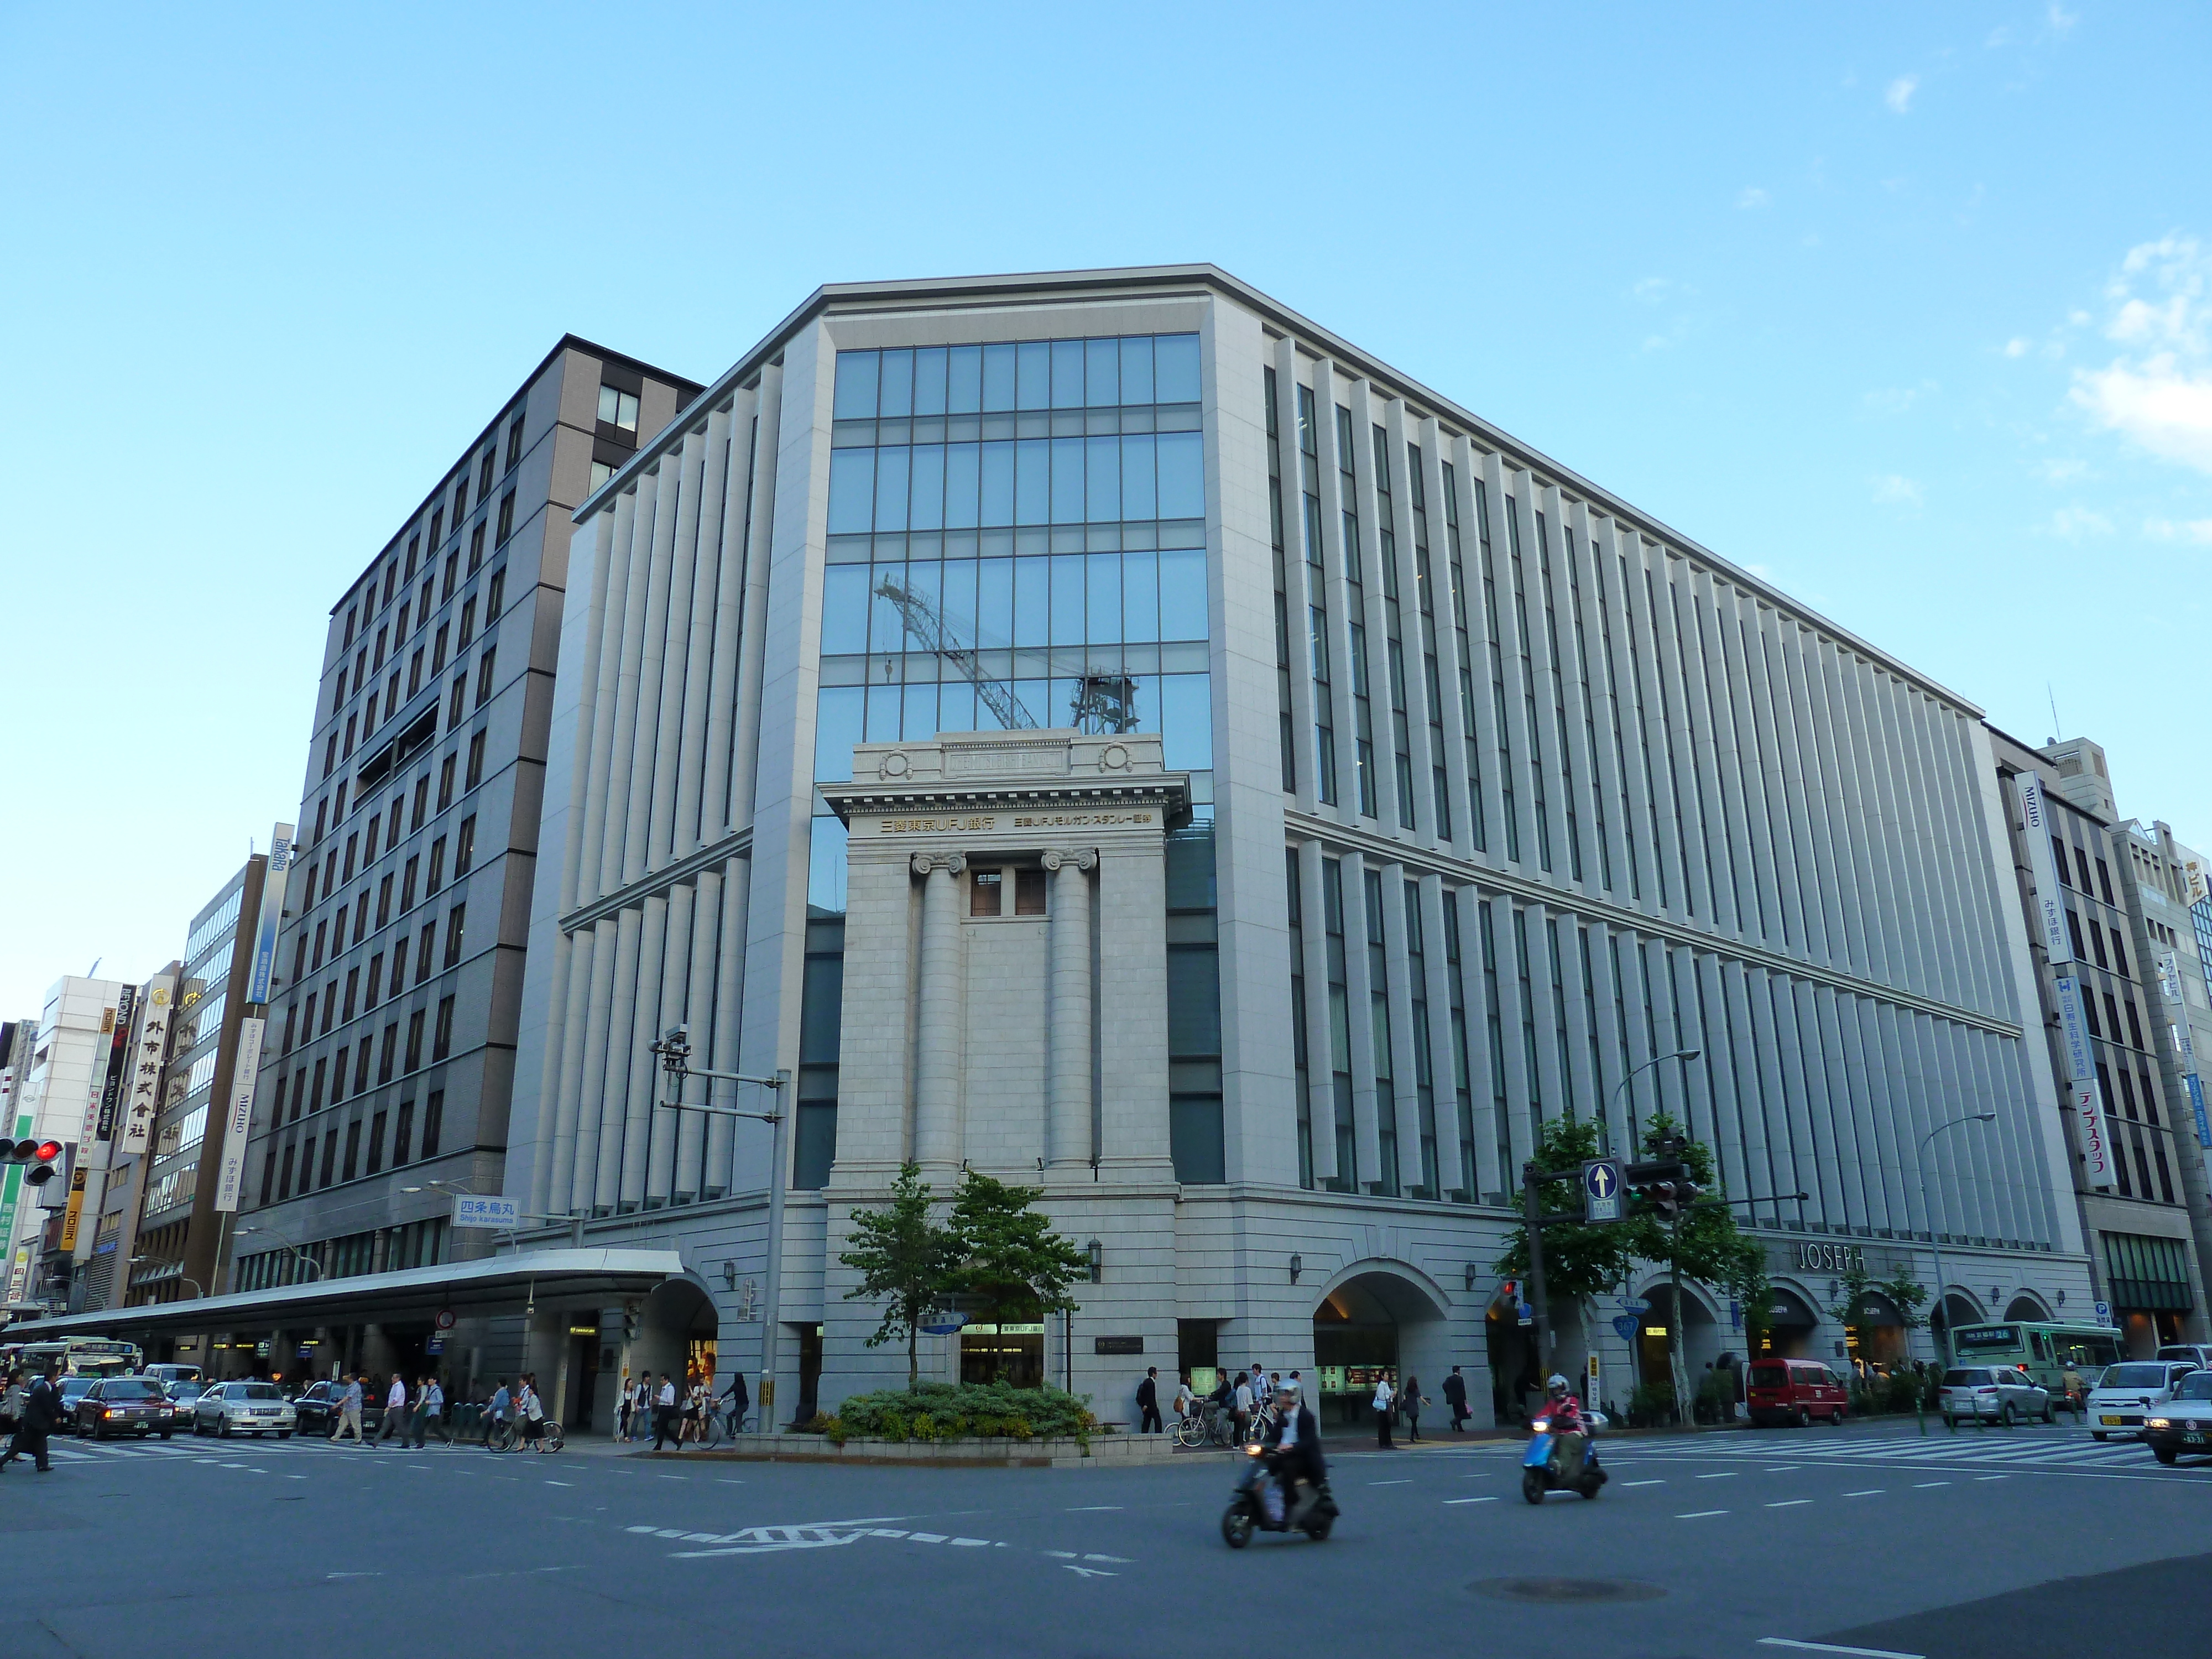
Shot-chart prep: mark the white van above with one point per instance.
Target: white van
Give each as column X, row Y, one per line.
column 173, row 1373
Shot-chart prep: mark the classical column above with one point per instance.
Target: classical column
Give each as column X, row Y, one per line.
column 1068, row 1041
column 937, row 1071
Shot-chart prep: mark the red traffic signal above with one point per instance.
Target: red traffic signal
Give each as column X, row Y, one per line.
column 41, row 1155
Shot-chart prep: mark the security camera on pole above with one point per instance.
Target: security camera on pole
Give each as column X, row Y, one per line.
column 675, row 1051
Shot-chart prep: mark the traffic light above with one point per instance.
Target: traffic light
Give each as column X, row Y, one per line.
column 40, row 1160
column 1665, row 1182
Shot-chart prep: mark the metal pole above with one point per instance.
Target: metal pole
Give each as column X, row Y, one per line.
column 1533, row 1208
column 771, row 1306
column 1935, row 1233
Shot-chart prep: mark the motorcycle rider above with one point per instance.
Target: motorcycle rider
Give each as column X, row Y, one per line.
column 1293, row 1439
column 1566, row 1412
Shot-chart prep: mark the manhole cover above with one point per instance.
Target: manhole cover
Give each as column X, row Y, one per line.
column 1569, row 1590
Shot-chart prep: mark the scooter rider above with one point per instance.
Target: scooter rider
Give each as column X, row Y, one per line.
column 1294, row 1439
column 1566, row 1412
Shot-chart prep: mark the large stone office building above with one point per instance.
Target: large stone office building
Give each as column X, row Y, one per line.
column 1104, row 729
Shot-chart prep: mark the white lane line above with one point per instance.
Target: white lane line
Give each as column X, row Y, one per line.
column 1726, row 1474
column 1871, row 1492
column 1390, row 1483
column 1783, row 1469
column 1089, row 1509
column 1992, row 1477
column 1644, row 1483
column 1473, row 1500
column 1788, row 1503
column 560, row 1483
column 1831, row 1647
column 1922, row 1485
column 1699, row 1515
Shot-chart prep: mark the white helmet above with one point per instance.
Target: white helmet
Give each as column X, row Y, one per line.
column 1555, row 1380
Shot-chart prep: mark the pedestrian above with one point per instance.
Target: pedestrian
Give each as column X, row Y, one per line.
column 349, row 1401
column 395, row 1412
column 664, row 1413
column 1184, row 1400
column 1455, row 1397
column 1243, row 1405
column 430, row 1414
column 495, row 1414
column 623, row 1403
column 532, row 1411
column 1148, row 1402
column 1410, row 1403
column 1384, row 1397
column 42, row 1411
column 740, row 1401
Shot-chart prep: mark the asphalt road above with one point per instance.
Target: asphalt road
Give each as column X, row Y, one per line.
column 1722, row 1546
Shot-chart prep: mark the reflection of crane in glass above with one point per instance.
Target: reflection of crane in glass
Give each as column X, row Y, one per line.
column 1105, row 700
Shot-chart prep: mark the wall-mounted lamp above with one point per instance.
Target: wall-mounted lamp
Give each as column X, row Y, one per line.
column 1473, row 1273
column 1993, row 1294
column 1097, row 1260
column 730, row 1275
column 1298, row 1266
column 2062, row 1298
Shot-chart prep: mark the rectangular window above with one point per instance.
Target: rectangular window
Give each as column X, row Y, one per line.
column 452, row 574
column 486, row 471
column 505, row 520
column 330, row 1004
column 398, row 965
column 441, row 1039
column 391, row 829
column 484, row 676
column 453, row 929
column 407, row 887
column 456, row 702
column 375, row 1144
column 422, row 807
column 985, row 893
column 476, row 761
column 424, row 947
column 384, row 901
column 415, row 1040
column 352, row 987
column 618, row 410
column 403, row 1131
column 353, row 1148
column 330, row 1157
column 339, row 1075
column 434, row 1113
column 415, row 671
column 494, row 595
column 515, row 443
column 360, row 1066
column 315, row 1099
column 438, row 647
column 476, row 549
column 269, row 1174
column 352, row 848
column 389, row 1054
column 437, row 877
column 375, row 980
column 445, row 781
column 1028, row 892
column 464, row 847
column 284, row 1190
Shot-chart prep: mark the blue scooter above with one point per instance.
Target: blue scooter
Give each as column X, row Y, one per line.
column 1561, row 1463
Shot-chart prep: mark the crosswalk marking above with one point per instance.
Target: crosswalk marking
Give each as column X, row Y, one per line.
column 2043, row 1450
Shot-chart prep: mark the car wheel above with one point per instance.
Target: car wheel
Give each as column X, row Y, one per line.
column 165, row 1434
column 1804, row 1417
column 2007, row 1417
column 223, row 1428
column 2049, row 1416
column 1838, row 1419
column 2165, row 1454
column 283, row 1434
column 2096, row 1434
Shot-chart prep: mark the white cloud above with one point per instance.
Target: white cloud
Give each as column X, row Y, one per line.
column 2161, row 399
column 1894, row 489
column 2062, row 472
column 1651, row 289
column 2062, row 21
column 2071, row 523
column 1999, row 36
column 1900, row 96
column 1752, row 196
column 2198, row 530
column 2015, row 347
column 1896, row 400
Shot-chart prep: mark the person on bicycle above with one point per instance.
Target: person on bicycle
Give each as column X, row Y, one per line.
column 739, row 1402
column 1184, row 1400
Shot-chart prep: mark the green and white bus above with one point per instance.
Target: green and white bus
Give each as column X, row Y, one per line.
column 2042, row 1351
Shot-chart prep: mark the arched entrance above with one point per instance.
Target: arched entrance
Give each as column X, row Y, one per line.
column 1791, row 1326
column 1701, row 1338
column 678, row 1327
column 2025, row 1306
column 1371, row 1322
column 1955, row 1310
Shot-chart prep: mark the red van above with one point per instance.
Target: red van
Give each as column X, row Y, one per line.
column 1795, row 1391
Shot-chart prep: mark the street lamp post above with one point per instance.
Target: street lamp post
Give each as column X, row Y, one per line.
column 1934, row 1232
column 675, row 1051
column 298, row 1254
column 1677, row 1374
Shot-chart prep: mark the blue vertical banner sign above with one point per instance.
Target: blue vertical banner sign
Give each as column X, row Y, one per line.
column 272, row 913
column 2042, row 864
column 2196, row 1087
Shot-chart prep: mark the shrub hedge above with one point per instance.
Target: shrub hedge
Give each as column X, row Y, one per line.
column 949, row 1410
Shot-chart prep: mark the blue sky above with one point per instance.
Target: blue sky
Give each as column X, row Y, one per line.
column 1905, row 307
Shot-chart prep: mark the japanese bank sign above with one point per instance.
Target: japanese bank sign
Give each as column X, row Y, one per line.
column 149, row 1052
column 2081, row 1059
column 2043, row 868
column 238, row 1116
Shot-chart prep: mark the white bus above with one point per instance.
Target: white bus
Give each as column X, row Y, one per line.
column 78, row 1356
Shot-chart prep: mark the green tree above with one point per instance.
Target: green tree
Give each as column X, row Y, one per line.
column 1855, row 1284
column 1010, row 1260
column 905, row 1258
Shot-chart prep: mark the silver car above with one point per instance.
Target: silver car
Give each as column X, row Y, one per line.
column 256, row 1408
column 1993, row 1394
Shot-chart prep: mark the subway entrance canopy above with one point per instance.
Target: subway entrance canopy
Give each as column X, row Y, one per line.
column 501, row 1284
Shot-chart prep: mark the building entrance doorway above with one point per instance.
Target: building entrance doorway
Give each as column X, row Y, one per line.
column 1372, row 1325
column 1512, row 1349
column 1012, row 1352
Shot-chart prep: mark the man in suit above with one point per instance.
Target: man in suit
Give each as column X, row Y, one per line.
column 42, row 1411
column 1295, row 1438
column 1148, row 1402
column 1455, row 1397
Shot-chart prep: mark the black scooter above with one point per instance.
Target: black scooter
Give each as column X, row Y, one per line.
column 1312, row 1513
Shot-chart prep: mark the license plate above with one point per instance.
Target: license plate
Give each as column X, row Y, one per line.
column 2192, row 1439
column 2108, row 1421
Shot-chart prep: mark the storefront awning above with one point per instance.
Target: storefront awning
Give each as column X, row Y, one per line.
column 501, row 1283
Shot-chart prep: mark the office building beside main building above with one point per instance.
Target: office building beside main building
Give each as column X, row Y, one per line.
column 1104, row 730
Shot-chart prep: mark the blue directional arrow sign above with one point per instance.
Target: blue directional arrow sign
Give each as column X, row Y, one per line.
column 1602, row 1189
